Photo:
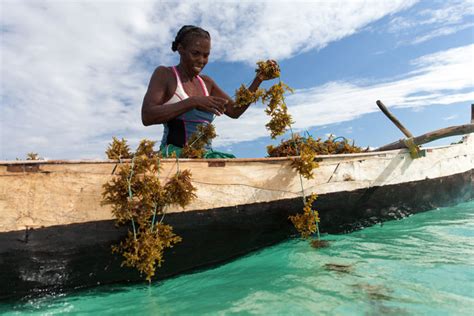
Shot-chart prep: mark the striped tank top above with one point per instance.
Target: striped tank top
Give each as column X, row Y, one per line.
column 178, row 130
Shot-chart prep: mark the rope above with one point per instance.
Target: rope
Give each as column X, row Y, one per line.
column 190, row 145
column 130, row 194
column 177, row 164
column 154, row 216
column 301, row 179
column 412, row 148
column 156, row 205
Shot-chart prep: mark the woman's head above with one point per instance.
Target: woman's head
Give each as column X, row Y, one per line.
column 186, row 33
column 194, row 46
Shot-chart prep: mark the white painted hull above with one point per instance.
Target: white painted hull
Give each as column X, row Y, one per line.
column 61, row 193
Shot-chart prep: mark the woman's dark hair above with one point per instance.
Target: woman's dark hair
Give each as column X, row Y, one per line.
column 186, row 32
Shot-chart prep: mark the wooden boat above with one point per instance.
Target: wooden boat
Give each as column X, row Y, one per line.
column 56, row 235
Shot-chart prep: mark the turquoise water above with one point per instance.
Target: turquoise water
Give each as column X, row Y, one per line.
column 423, row 264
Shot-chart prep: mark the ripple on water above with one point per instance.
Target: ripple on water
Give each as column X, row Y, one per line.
column 422, row 264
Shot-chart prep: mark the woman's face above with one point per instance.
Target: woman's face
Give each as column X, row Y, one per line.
column 194, row 54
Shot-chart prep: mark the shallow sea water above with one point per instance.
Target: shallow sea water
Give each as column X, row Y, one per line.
column 420, row 265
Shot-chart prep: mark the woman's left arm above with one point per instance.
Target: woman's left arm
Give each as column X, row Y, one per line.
column 231, row 110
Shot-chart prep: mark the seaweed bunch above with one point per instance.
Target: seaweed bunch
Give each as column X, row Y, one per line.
column 298, row 146
column 268, row 69
column 179, row 189
column 244, row 96
column 280, row 121
column 336, row 145
column 195, row 148
column 137, row 196
column 286, row 148
column 32, row 156
column 119, row 193
column 277, row 109
column 307, row 148
column 306, row 162
column 331, row 146
column 307, row 223
column 145, row 250
column 273, row 98
column 341, row 268
column 145, row 149
column 318, row 243
column 118, row 149
column 146, row 159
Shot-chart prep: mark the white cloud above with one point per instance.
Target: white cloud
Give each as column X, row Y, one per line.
column 451, row 117
column 442, row 31
column 440, row 78
column 73, row 73
column 280, row 29
column 67, row 75
column 444, row 18
column 451, row 12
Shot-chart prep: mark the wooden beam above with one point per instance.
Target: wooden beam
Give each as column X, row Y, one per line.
column 472, row 113
column 431, row 136
column 394, row 119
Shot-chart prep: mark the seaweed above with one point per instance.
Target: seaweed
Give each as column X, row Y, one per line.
column 145, row 250
column 118, row 149
column 268, row 69
column 331, row 146
column 305, row 150
column 244, row 96
column 341, row 268
column 179, row 189
column 137, row 196
column 306, row 161
column 279, row 122
column 318, row 243
column 280, row 119
column 195, row 147
column 307, row 223
column 32, row 156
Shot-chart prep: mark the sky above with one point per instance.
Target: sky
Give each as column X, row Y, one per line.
column 74, row 73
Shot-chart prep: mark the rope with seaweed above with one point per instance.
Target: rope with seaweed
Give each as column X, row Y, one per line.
column 136, row 195
column 280, row 121
column 305, row 149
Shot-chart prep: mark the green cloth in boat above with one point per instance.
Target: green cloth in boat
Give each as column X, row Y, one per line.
column 169, row 149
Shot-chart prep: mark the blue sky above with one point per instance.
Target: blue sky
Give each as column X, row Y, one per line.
column 73, row 74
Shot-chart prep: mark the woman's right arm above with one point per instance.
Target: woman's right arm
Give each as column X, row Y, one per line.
column 154, row 111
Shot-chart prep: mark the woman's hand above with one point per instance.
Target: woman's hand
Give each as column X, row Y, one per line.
column 268, row 70
column 210, row 104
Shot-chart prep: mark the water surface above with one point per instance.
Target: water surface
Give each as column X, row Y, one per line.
column 423, row 264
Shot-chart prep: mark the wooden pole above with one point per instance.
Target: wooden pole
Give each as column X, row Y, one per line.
column 394, row 119
column 431, row 136
column 472, row 113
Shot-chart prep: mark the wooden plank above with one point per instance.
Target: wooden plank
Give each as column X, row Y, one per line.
column 431, row 136
column 71, row 193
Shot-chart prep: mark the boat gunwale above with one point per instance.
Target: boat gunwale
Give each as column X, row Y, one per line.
column 231, row 160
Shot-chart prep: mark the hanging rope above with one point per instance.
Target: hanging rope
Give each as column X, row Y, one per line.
column 130, row 194
column 315, row 216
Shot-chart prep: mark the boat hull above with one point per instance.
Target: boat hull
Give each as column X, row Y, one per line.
column 77, row 255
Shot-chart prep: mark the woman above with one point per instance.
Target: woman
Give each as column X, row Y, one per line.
column 180, row 99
